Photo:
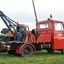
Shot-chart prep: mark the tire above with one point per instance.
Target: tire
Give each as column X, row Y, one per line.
column 62, row 51
column 50, row 50
column 27, row 51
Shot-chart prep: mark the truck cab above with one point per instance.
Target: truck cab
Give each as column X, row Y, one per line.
column 51, row 31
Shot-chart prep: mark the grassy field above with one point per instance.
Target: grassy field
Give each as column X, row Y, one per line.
column 41, row 57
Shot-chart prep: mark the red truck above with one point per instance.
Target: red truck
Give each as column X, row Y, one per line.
column 49, row 35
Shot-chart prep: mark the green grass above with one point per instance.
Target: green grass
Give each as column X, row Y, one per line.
column 41, row 57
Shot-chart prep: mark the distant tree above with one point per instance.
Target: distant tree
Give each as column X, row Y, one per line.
column 4, row 31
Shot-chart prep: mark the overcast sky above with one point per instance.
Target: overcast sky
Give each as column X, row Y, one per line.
column 22, row 10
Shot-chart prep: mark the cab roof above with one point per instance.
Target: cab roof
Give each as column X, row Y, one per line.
column 48, row 21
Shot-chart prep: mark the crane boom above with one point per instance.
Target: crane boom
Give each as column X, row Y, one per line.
column 34, row 11
column 17, row 30
column 9, row 22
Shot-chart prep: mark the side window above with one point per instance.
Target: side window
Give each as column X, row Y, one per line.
column 58, row 26
column 44, row 25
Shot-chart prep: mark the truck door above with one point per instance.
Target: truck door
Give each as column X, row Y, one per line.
column 44, row 32
column 58, row 37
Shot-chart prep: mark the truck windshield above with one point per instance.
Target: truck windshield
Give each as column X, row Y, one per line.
column 58, row 26
column 44, row 25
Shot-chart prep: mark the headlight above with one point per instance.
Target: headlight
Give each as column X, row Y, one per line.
column 8, row 47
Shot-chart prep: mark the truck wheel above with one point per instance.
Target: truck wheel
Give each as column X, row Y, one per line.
column 50, row 50
column 26, row 51
column 62, row 51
